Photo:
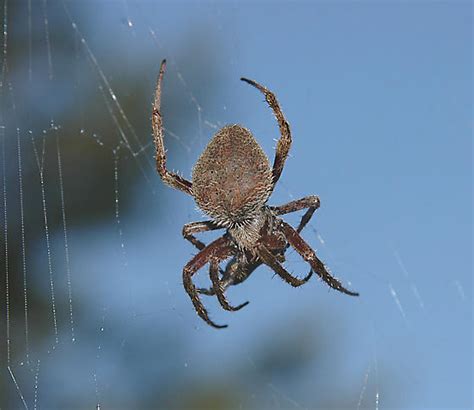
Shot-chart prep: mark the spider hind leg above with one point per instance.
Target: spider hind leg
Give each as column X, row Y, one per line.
column 308, row 254
column 217, row 249
column 271, row 260
column 218, row 288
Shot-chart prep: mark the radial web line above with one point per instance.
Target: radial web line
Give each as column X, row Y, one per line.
column 116, row 103
column 30, row 44
column 48, row 41
column 4, row 180
column 460, row 289
column 127, row 13
column 274, row 389
column 124, row 140
column 413, row 286
column 376, row 365
column 37, row 372
column 195, row 102
column 116, row 153
column 5, row 43
column 364, row 386
column 397, row 301
column 5, row 245
column 184, row 84
column 98, row 357
column 40, row 163
column 22, row 221
column 23, row 245
column 66, row 244
column 105, row 81
column 17, row 386
column 284, row 396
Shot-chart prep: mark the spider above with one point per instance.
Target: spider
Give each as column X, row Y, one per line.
column 232, row 182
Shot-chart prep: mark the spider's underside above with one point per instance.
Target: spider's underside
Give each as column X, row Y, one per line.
column 232, row 181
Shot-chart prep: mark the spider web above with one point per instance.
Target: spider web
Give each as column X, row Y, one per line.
column 94, row 313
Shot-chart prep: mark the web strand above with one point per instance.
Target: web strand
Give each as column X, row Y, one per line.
column 66, row 242
column 5, row 244
column 48, row 41
column 23, row 247
column 17, row 387
column 40, row 163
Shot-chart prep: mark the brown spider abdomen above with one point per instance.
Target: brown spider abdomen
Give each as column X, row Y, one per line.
column 232, row 179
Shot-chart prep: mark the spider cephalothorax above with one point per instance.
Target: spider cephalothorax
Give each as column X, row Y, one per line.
column 232, row 181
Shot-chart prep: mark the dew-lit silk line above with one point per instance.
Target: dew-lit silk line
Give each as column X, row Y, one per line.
column 65, row 236
column 5, row 244
column 23, row 246
column 40, row 163
column 48, row 41
column 110, row 91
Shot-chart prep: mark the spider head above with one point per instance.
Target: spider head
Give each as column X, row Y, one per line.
column 232, row 179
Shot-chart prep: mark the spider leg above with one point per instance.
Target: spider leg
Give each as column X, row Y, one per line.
column 219, row 289
column 310, row 202
column 197, row 227
column 234, row 273
column 218, row 249
column 309, row 256
column 270, row 260
column 237, row 272
column 170, row 178
column 284, row 143
column 206, row 291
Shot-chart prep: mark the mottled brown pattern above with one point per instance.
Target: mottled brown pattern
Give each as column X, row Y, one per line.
column 232, row 177
column 232, row 181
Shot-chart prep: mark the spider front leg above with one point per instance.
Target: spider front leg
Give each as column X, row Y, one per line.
column 309, row 256
column 219, row 249
column 170, row 178
column 284, row 143
column 235, row 272
column 270, row 260
column 197, row 227
column 310, row 202
column 218, row 287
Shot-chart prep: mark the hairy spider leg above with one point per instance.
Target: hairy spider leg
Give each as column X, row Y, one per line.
column 197, row 227
column 170, row 178
column 308, row 202
column 284, row 143
column 308, row 254
column 219, row 289
column 270, row 260
column 236, row 273
column 219, row 249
